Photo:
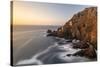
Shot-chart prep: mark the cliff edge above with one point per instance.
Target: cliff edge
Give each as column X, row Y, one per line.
column 82, row 26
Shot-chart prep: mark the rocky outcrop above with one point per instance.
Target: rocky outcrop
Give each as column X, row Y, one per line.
column 88, row 52
column 82, row 26
column 81, row 45
column 51, row 33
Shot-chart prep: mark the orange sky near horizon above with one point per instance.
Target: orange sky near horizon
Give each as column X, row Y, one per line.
column 36, row 13
column 24, row 14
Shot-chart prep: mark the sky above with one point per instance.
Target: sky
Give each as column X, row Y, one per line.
column 37, row 13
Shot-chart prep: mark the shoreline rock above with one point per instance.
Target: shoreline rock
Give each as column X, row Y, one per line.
column 82, row 26
column 80, row 45
column 88, row 52
column 51, row 33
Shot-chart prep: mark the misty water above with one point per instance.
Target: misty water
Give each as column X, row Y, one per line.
column 31, row 46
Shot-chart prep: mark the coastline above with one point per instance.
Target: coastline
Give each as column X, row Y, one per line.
column 81, row 28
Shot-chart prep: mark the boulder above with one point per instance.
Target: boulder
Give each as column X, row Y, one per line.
column 69, row 55
column 49, row 31
column 88, row 52
column 80, row 45
column 52, row 33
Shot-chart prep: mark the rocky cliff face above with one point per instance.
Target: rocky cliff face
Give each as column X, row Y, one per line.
column 82, row 26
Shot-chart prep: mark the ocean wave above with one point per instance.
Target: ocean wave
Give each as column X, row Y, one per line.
column 52, row 53
column 34, row 59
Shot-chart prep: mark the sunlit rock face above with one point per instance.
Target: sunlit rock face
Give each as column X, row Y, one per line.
column 82, row 26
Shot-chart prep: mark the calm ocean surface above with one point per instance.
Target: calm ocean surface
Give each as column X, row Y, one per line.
column 32, row 46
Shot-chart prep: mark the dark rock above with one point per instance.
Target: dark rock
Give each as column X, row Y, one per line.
column 79, row 53
column 69, row 55
column 81, row 45
column 50, row 34
column 69, row 41
column 88, row 52
column 49, row 31
column 54, row 33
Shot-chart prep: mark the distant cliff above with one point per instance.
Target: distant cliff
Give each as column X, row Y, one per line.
column 82, row 26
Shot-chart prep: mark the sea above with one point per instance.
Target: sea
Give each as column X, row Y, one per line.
column 32, row 46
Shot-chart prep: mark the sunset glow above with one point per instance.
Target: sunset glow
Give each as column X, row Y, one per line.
column 33, row 13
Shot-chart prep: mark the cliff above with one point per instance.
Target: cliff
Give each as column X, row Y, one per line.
column 82, row 26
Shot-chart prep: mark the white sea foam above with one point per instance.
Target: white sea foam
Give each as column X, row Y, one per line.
column 30, row 61
column 65, row 58
column 75, row 41
column 34, row 59
column 45, row 34
column 61, row 55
